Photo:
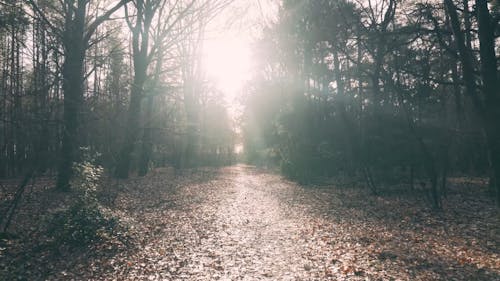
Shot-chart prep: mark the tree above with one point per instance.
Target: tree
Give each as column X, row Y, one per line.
column 13, row 27
column 75, row 27
column 156, row 26
column 144, row 51
column 370, row 87
column 488, row 104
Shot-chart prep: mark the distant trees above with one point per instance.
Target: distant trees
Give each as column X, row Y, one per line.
column 374, row 88
column 144, row 50
column 14, row 141
column 70, row 21
column 157, row 26
column 68, row 77
column 386, row 90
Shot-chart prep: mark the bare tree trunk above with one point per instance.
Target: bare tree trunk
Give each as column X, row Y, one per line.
column 489, row 75
column 74, row 47
column 76, row 34
column 147, row 139
column 145, row 11
column 132, row 129
column 191, row 140
column 489, row 110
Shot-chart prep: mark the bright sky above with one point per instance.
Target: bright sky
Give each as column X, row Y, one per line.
column 228, row 63
column 227, row 55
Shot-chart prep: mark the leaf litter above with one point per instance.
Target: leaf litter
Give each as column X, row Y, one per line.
column 241, row 223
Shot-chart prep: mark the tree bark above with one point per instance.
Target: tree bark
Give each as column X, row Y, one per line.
column 76, row 34
column 74, row 48
column 131, row 131
column 147, row 139
column 145, row 11
column 490, row 90
column 487, row 108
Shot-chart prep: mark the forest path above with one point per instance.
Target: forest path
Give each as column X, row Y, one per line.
column 242, row 223
column 258, row 232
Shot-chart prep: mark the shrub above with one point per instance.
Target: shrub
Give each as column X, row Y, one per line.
column 83, row 222
column 80, row 225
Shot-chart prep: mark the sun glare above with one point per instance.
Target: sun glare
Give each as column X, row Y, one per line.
column 227, row 63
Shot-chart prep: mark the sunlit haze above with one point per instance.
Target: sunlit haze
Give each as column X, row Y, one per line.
column 227, row 62
column 227, row 56
column 249, row 139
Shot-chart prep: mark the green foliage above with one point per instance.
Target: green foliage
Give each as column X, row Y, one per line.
column 83, row 222
column 79, row 225
column 87, row 176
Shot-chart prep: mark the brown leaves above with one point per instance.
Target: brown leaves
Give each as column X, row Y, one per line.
column 240, row 224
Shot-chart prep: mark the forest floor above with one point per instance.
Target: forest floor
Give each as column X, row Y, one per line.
column 242, row 223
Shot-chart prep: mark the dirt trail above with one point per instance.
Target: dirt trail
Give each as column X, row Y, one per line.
column 248, row 233
column 245, row 224
column 240, row 223
column 258, row 237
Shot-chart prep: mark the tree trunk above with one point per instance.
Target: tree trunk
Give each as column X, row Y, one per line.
column 147, row 140
column 190, row 144
column 489, row 110
column 74, row 47
column 132, row 130
column 490, row 89
column 145, row 11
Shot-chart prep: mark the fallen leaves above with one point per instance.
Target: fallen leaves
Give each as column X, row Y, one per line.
column 237, row 223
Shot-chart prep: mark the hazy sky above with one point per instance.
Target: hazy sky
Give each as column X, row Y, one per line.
column 227, row 55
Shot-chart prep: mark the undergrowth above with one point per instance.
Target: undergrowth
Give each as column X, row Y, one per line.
column 84, row 221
